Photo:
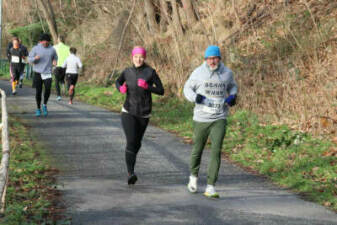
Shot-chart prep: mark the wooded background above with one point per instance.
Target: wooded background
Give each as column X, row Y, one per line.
column 283, row 52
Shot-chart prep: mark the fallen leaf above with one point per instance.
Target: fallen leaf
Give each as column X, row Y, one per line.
column 324, row 122
column 334, row 140
column 327, row 204
column 108, row 93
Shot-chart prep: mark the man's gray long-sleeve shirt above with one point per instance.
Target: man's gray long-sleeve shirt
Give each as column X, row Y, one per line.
column 215, row 86
column 45, row 63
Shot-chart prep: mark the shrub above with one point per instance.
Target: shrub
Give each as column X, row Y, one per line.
column 28, row 34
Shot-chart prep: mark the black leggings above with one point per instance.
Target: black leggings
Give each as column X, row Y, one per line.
column 38, row 83
column 71, row 80
column 134, row 129
column 15, row 70
column 59, row 78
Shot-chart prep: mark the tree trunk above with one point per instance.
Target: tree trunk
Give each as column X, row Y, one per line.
column 176, row 17
column 151, row 16
column 164, row 15
column 235, row 12
column 190, row 13
column 48, row 12
column 51, row 12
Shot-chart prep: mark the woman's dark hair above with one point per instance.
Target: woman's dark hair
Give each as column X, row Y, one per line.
column 73, row 50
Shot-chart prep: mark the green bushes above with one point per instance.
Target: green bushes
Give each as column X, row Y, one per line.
column 29, row 34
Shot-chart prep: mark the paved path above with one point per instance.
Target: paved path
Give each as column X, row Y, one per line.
column 87, row 144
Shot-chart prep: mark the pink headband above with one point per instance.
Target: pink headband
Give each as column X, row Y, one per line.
column 139, row 50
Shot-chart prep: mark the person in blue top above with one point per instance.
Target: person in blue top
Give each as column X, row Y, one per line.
column 43, row 56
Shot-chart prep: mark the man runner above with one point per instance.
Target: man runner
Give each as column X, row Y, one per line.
column 212, row 88
column 43, row 56
column 15, row 56
column 63, row 52
column 25, row 54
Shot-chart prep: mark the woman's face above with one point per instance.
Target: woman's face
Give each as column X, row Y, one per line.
column 138, row 60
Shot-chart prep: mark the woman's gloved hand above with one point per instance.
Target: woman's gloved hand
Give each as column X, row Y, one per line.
column 143, row 84
column 123, row 89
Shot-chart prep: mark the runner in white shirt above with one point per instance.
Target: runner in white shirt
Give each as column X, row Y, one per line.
column 72, row 64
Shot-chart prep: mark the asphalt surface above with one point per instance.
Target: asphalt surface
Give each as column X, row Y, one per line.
column 87, row 144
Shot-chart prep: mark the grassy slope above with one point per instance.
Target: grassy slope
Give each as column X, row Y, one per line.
column 291, row 159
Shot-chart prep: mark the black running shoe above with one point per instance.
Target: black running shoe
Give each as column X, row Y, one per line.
column 20, row 85
column 132, row 179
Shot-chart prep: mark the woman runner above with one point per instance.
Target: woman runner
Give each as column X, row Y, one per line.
column 72, row 65
column 138, row 82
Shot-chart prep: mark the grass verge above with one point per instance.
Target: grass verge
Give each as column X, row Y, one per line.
column 289, row 158
column 31, row 197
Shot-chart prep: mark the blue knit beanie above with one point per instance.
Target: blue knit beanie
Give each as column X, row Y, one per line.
column 212, row 50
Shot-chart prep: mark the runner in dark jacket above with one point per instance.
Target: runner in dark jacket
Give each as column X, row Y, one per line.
column 15, row 56
column 25, row 55
column 138, row 82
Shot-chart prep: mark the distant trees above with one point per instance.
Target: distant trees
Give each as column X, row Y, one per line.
column 161, row 13
column 151, row 15
column 48, row 13
column 190, row 11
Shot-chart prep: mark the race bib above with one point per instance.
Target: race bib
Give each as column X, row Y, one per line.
column 45, row 76
column 214, row 93
column 214, row 106
column 15, row 59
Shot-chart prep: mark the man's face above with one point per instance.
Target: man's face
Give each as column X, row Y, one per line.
column 213, row 62
column 45, row 43
column 138, row 60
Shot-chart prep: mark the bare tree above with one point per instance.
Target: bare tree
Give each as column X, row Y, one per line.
column 164, row 15
column 151, row 16
column 48, row 12
column 121, row 42
column 176, row 17
column 236, row 13
column 189, row 10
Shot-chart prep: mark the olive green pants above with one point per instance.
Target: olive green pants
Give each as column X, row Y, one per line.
column 216, row 132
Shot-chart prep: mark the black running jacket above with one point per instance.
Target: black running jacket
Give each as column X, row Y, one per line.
column 138, row 100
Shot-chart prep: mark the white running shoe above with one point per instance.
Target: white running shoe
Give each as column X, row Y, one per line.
column 192, row 184
column 210, row 192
